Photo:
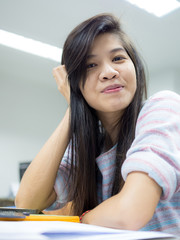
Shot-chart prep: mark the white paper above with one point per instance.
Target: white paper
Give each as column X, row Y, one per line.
column 41, row 230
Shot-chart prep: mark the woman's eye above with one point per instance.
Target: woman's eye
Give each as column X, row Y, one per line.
column 118, row 59
column 91, row 65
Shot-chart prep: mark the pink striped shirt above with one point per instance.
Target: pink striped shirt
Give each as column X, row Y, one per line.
column 155, row 150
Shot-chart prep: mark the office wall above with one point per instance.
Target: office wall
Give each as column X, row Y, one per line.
column 165, row 79
column 29, row 113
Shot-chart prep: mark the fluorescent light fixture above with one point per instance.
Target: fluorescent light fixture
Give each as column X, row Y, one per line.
column 30, row 46
column 157, row 7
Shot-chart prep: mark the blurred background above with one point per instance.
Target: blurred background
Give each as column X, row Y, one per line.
column 30, row 105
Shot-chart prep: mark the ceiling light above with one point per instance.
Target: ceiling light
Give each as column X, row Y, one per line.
column 157, row 7
column 30, row 46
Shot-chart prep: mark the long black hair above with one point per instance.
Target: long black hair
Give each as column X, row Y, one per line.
column 85, row 132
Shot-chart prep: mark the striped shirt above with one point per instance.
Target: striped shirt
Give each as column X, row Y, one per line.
column 155, row 151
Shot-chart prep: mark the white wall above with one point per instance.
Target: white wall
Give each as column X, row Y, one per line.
column 29, row 113
column 166, row 79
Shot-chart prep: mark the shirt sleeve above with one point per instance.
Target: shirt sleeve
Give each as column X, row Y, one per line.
column 61, row 184
column 156, row 147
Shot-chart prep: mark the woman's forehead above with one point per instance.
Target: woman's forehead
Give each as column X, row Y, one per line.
column 106, row 38
column 105, row 42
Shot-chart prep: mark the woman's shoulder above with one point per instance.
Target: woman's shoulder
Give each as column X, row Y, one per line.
column 164, row 98
column 163, row 105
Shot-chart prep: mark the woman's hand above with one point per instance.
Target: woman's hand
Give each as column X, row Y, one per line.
column 61, row 77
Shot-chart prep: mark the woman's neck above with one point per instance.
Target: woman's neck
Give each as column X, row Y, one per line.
column 110, row 122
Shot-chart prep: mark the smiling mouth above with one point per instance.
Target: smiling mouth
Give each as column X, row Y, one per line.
column 112, row 89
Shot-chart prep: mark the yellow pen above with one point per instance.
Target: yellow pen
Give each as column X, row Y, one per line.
column 24, row 216
column 44, row 217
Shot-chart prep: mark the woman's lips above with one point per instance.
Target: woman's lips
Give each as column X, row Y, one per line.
column 112, row 88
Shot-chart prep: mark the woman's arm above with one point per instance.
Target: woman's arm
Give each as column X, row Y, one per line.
column 130, row 209
column 37, row 186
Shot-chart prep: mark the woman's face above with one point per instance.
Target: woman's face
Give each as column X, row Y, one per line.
column 111, row 78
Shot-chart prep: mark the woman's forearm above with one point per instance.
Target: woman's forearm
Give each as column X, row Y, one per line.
column 37, row 186
column 130, row 209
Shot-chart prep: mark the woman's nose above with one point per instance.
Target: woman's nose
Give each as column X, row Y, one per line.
column 108, row 73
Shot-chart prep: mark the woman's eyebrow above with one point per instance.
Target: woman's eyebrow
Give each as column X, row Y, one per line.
column 117, row 50
column 111, row 51
column 91, row 56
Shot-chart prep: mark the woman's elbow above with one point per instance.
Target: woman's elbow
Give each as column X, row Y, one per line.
column 19, row 203
column 133, row 221
column 23, row 201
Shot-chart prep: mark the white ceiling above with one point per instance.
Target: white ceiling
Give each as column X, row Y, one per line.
column 50, row 21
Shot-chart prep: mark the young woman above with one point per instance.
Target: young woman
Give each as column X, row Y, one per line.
column 111, row 154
